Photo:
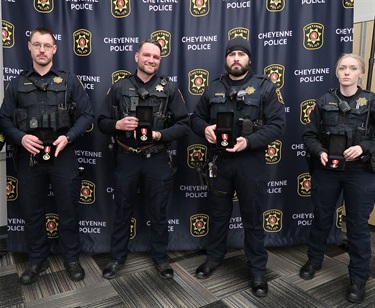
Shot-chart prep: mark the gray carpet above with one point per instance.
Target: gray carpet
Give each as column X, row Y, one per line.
column 139, row 284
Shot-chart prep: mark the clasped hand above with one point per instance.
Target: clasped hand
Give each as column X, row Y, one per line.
column 241, row 142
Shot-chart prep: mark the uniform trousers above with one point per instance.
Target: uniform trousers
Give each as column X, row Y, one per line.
column 358, row 188
column 245, row 174
column 34, row 182
column 154, row 176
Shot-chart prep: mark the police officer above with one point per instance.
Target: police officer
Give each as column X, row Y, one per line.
column 258, row 114
column 342, row 119
column 142, row 139
column 44, row 110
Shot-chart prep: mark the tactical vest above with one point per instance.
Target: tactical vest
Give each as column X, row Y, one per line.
column 155, row 96
column 353, row 123
column 42, row 105
column 249, row 106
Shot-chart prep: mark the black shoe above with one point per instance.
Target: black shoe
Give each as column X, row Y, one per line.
column 32, row 272
column 356, row 292
column 75, row 270
column 307, row 271
column 206, row 269
column 259, row 286
column 111, row 269
column 165, row 270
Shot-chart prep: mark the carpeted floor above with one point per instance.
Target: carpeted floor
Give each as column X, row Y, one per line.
column 139, row 284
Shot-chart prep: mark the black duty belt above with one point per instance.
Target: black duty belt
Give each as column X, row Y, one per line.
column 147, row 150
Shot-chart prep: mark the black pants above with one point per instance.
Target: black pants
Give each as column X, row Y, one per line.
column 358, row 187
column 33, row 190
column 244, row 174
column 154, row 176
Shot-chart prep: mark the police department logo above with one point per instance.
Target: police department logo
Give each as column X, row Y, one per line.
column 199, row 225
column 82, row 42
column 196, row 153
column 133, row 228
column 164, row 39
column 199, row 8
column 348, row 4
column 272, row 220
column 198, row 80
column 44, row 6
column 313, row 36
column 276, row 73
column 87, row 193
column 52, row 223
column 239, row 32
column 306, row 107
column 8, row 34
column 275, row 5
column 12, row 188
column 304, row 185
column 273, row 152
column 120, row 74
column 120, row 8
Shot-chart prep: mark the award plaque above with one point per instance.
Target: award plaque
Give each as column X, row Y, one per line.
column 144, row 129
column 224, row 130
column 337, row 145
column 46, row 156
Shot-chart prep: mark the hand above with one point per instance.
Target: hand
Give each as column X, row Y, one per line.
column 60, row 143
column 127, row 123
column 239, row 146
column 156, row 135
column 209, row 133
column 323, row 158
column 32, row 144
column 352, row 152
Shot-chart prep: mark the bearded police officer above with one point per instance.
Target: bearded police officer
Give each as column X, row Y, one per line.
column 340, row 139
column 45, row 109
column 239, row 114
column 144, row 113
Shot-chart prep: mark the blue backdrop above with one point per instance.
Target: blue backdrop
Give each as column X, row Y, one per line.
column 294, row 42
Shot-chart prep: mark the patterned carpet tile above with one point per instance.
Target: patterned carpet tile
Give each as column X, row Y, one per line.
column 90, row 296
column 144, row 289
column 333, row 293
column 10, row 291
column 281, row 294
column 140, row 285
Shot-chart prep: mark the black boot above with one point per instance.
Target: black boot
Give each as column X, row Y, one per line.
column 356, row 292
column 307, row 271
column 32, row 272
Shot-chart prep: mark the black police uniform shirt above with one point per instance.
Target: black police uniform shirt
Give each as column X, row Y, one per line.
column 272, row 109
column 175, row 105
column 327, row 116
column 75, row 92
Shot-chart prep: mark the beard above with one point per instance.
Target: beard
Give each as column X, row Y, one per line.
column 237, row 71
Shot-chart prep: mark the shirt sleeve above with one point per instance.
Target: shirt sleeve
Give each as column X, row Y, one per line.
column 7, row 111
column 78, row 95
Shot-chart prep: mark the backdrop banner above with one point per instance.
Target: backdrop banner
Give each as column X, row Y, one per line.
column 294, row 42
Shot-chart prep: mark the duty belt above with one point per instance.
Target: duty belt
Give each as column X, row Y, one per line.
column 147, row 150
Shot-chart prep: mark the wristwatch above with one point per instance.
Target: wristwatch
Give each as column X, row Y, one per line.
column 68, row 138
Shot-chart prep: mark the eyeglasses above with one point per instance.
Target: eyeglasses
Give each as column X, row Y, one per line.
column 37, row 46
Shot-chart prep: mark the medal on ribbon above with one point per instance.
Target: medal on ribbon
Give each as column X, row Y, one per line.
column 47, row 150
column 224, row 137
column 144, row 134
column 335, row 163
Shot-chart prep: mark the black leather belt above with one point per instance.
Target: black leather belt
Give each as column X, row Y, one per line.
column 147, row 150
